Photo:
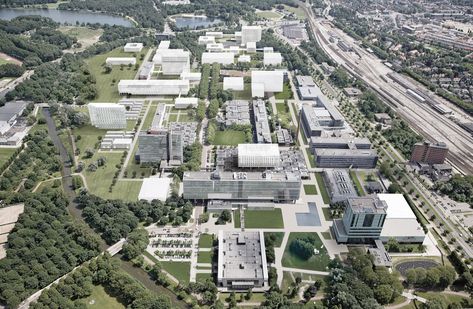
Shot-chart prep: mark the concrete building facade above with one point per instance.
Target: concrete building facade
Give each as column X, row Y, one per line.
column 429, row 153
column 154, row 87
column 107, row 115
column 250, row 34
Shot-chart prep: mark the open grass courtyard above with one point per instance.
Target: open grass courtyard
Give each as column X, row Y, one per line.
column 270, row 219
column 229, row 137
column 315, row 262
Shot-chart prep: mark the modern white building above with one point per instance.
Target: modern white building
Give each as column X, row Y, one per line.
column 183, row 103
column 401, row 222
column 107, row 115
column 234, row 49
column 215, row 34
column 214, row 47
column 133, row 47
column 233, row 83
column 272, row 59
column 244, row 58
column 120, row 60
column 191, row 76
column 222, row 58
column 251, row 47
column 175, row 62
column 266, row 81
column 250, row 34
column 204, row 40
column 154, row 87
column 268, row 50
column 155, row 188
column 164, row 44
column 258, row 155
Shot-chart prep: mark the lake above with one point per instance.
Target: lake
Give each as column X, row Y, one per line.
column 71, row 17
column 193, row 22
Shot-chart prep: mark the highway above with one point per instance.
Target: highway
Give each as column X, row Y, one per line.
column 420, row 116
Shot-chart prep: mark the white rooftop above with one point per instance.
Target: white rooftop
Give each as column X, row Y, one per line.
column 155, row 188
column 398, row 208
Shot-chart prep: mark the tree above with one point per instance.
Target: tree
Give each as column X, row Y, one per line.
column 383, row 294
column 275, row 300
column 249, row 294
column 89, row 153
column 225, row 216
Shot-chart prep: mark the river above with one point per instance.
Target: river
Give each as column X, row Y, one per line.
column 71, row 17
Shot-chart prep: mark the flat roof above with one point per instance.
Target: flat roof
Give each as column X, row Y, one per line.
column 305, row 81
column 345, row 152
column 396, row 228
column 186, row 100
column 397, row 206
column 155, row 188
column 10, row 109
column 367, row 204
column 258, row 150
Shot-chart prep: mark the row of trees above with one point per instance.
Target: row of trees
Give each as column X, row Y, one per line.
column 11, row 70
column 115, row 219
column 45, row 244
column 71, row 291
column 204, row 82
column 436, row 277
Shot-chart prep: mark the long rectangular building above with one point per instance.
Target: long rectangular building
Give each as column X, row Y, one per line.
column 107, row 115
column 154, row 87
column 242, row 186
column 345, row 158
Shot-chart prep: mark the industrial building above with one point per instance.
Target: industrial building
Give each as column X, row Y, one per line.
column 133, row 47
column 339, row 185
column 164, row 145
column 233, row 83
column 237, row 112
column 260, row 116
column 242, row 261
column 9, row 114
column 319, row 117
column 146, row 71
column 362, row 221
column 258, row 155
column 107, row 115
column 400, row 214
column 221, row 58
column 277, row 186
column 153, row 87
column 266, row 81
column 120, row 61
column 429, row 153
column 250, row 34
column 183, row 103
column 272, row 59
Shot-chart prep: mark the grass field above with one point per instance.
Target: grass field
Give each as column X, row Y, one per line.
column 322, row 188
column 297, row 11
column 310, row 155
column 100, row 180
column 204, row 257
column 4, row 61
column 101, row 300
column 124, row 190
column 149, row 117
column 89, row 137
column 448, row 298
column 279, row 237
column 180, row 270
column 107, row 83
column 310, row 189
column 264, row 219
column 327, row 235
column 229, row 137
column 85, row 36
column 316, row 262
column 201, row 277
column 236, row 219
column 205, row 241
column 268, row 14
column 5, row 154
column 288, row 280
column 327, row 213
column 286, row 93
column 243, row 95
column 356, row 182
column 283, row 112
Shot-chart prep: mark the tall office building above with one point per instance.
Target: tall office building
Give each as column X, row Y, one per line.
column 158, row 146
column 430, row 153
column 107, row 115
column 250, row 34
column 362, row 221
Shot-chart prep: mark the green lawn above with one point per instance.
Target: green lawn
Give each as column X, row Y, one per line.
column 264, row 219
column 100, row 180
column 356, row 182
column 107, row 84
column 316, row 262
column 4, row 61
column 88, row 137
column 299, row 12
column 286, row 93
column 283, row 113
column 149, row 117
column 322, row 188
column 184, row 117
column 268, row 15
column 310, row 155
column 124, row 190
column 243, row 95
column 172, row 118
column 327, row 213
column 180, row 270
column 279, row 237
column 310, row 189
column 101, row 300
column 201, row 277
column 204, row 257
column 130, row 125
column 81, row 33
column 236, row 219
column 327, row 235
column 205, row 241
column 229, row 137
column 448, row 298
column 5, row 154
column 287, row 280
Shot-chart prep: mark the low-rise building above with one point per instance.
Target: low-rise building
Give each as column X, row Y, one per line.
column 352, row 92
column 258, row 155
column 146, row 71
column 260, row 116
column 107, row 115
column 215, row 34
column 242, row 261
column 244, row 58
column 9, row 114
column 214, row 47
column 204, row 40
column 272, row 59
column 117, row 140
column 339, row 185
column 233, row 83
column 183, row 103
column 237, row 112
column 120, row 61
column 320, row 116
column 251, row 47
column 133, row 47
column 221, row 58
column 153, row 87
column 383, row 118
column 155, row 188
column 175, row 61
column 305, row 81
column 284, row 137
column 266, row 81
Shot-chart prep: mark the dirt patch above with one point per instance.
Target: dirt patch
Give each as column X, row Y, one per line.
column 10, row 59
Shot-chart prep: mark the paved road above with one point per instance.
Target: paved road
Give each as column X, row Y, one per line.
column 15, row 83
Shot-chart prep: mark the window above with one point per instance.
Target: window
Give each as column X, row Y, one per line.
column 368, row 221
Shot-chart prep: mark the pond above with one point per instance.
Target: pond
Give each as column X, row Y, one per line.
column 71, row 17
column 193, row 22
